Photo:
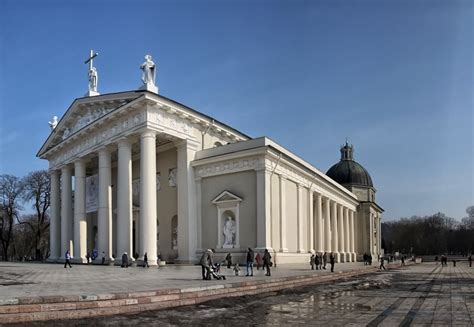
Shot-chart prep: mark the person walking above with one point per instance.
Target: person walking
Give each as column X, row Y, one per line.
column 470, row 260
column 267, row 262
column 317, row 261
column 382, row 259
column 403, row 261
column 312, row 261
column 88, row 257
column 145, row 261
column 332, row 260
column 259, row 261
column 250, row 261
column 206, row 262
column 325, row 259
column 67, row 256
column 228, row 258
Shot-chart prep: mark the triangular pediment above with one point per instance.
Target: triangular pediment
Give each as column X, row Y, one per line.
column 226, row 196
column 84, row 112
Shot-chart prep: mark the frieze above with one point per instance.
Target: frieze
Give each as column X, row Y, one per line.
column 170, row 119
column 96, row 138
column 230, row 166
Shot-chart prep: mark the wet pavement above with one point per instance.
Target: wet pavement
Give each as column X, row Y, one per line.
column 419, row 295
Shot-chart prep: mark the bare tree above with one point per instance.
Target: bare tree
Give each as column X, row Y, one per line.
column 11, row 190
column 37, row 189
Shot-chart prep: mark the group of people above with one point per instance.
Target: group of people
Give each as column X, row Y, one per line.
column 367, row 259
column 318, row 261
column 208, row 265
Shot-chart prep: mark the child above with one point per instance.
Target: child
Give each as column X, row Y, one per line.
column 236, row 269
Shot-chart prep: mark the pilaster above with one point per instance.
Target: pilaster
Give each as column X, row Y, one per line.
column 334, row 231
column 187, row 217
column 283, row 247
column 340, row 232
column 319, row 224
column 263, row 209
column 299, row 199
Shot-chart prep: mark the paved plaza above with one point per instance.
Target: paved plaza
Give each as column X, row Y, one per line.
column 417, row 295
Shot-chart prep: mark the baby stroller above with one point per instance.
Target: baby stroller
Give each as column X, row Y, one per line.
column 216, row 271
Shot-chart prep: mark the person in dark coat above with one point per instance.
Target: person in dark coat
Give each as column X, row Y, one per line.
column 312, row 261
column 382, row 260
column 206, row 262
column 317, row 261
column 250, row 260
column 267, row 261
column 228, row 258
column 145, row 261
column 124, row 260
column 470, row 260
column 325, row 259
column 332, row 260
column 67, row 256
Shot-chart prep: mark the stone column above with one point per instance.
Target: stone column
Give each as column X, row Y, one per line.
column 347, row 250
column 299, row 205
column 124, row 200
column 66, row 211
column 80, row 222
column 334, row 231
column 311, row 229
column 148, row 197
column 55, row 224
column 198, row 183
column 283, row 247
column 340, row 232
column 263, row 210
column 319, row 223
column 104, row 217
column 371, row 236
column 379, row 219
column 187, row 218
column 352, row 235
column 327, row 225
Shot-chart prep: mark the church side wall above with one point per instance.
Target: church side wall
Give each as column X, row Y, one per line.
column 242, row 184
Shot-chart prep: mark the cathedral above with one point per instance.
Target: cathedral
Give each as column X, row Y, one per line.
column 138, row 173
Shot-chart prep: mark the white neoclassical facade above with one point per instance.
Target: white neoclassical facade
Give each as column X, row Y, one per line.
column 137, row 172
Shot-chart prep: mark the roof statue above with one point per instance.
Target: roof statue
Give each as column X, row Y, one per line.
column 93, row 77
column 149, row 75
column 53, row 123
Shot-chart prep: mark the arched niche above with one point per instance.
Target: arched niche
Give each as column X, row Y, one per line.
column 228, row 220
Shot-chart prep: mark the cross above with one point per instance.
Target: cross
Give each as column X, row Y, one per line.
column 91, row 57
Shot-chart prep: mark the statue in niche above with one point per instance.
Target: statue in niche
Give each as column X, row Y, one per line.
column 172, row 177
column 229, row 232
column 158, row 181
column 149, row 71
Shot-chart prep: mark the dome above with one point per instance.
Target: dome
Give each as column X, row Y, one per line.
column 348, row 171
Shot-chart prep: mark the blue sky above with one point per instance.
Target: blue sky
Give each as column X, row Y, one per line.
column 395, row 77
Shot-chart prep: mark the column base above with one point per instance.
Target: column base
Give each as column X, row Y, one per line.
column 354, row 257
column 342, row 257
column 139, row 262
column 131, row 262
column 283, row 250
column 107, row 261
column 262, row 249
column 52, row 260
column 78, row 260
column 337, row 257
column 301, row 251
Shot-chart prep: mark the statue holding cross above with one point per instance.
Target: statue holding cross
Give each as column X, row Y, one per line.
column 93, row 77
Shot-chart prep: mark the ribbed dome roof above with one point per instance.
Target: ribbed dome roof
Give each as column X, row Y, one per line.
column 348, row 171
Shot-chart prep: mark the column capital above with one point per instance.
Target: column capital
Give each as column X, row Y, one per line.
column 146, row 132
column 124, row 142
